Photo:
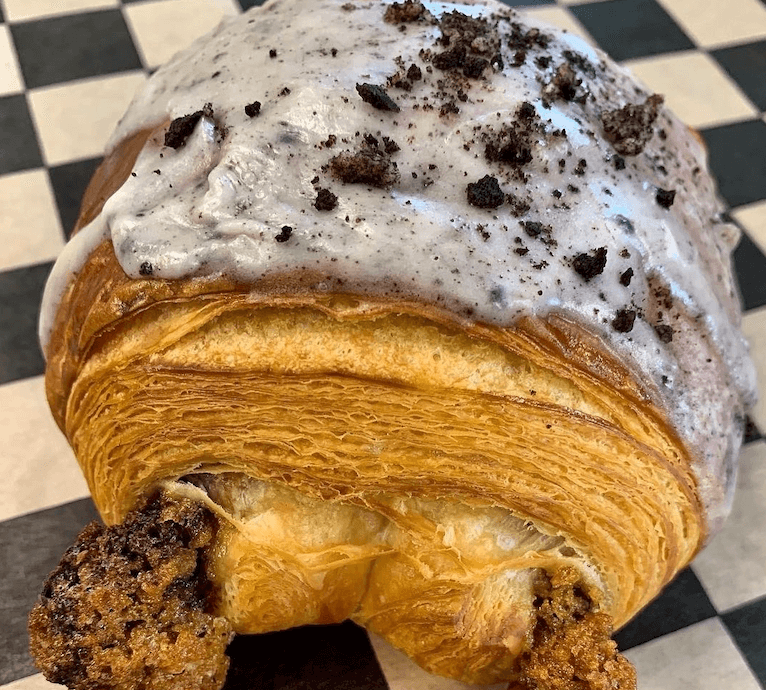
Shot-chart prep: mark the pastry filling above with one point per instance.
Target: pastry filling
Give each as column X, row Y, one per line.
column 138, row 605
column 571, row 646
column 127, row 606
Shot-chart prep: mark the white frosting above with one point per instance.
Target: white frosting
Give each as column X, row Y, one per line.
column 217, row 203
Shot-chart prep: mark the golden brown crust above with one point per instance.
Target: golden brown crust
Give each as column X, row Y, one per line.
column 358, row 400
column 125, row 608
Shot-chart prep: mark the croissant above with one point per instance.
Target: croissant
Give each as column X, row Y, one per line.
column 408, row 313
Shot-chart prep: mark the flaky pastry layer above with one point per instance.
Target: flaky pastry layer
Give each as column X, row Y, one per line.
column 378, row 410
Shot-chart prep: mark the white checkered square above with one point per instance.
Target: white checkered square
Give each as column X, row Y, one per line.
column 753, row 219
column 732, row 568
column 75, row 120
column 31, row 229
column 37, row 465
column 717, row 22
column 24, row 10
column 163, row 27
column 559, row 17
column 695, row 88
column 700, row 657
column 10, row 74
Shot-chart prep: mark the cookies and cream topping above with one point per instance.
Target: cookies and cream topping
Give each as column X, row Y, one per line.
column 455, row 154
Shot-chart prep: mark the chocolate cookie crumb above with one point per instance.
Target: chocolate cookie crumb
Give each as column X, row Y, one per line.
column 485, row 193
column 624, row 320
column 390, row 146
column 367, row 166
column 664, row 332
column 518, row 205
column 414, row 73
column 665, row 197
column 450, row 59
column 377, row 97
column 253, row 109
column 563, row 86
column 449, row 108
column 403, row 12
column 273, row 53
column 110, row 614
column 588, row 266
column 145, row 269
column 326, row 200
column 618, row 162
column 626, row 277
column 181, row 128
column 284, row 234
column 630, row 128
column 535, row 229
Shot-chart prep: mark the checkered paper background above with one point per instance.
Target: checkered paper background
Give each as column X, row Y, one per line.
column 68, row 69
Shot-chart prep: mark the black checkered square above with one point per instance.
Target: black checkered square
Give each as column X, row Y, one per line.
column 60, row 49
column 747, row 625
column 69, row 182
column 32, row 546
column 18, row 142
column 747, row 66
column 750, row 265
column 738, row 159
column 21, row 291
column 628, row 29
column 681, row 604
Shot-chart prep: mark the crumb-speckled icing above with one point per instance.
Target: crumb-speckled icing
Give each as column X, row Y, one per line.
column 465, row 159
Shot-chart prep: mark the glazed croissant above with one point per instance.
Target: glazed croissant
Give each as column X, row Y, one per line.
column 430, row 312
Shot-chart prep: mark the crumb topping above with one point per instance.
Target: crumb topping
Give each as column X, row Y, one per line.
column 571, row 647
column 407, row 11
column 630, row 128
column 377, row 97
column 590, row 265
column 126, row 607
column 181, row 128
column 325, row 200
column 369, row 165
column 485, row 193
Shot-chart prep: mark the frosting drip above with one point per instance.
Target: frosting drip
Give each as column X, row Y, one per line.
column 464, row 159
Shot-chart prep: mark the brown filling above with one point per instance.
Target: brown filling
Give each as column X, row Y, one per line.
column 125, row 608
column 571, row 647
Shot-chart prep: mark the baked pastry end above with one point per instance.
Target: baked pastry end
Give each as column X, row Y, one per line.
column 571, row 647
column 126, row 606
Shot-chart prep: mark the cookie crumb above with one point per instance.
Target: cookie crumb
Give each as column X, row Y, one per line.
column 626, row 277
column 629, row 128
column 665, row 197
column 624, row 320
column 253, row 109
column 485, row 193
column 404, row 12
column 588, row 266
column 377, row 97
column 325, row 200
column 181, row 128
column 664, row 332
column 284, row 234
